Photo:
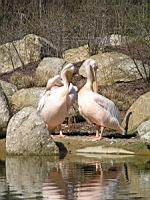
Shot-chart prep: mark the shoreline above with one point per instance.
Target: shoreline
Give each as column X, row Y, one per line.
column 72, row 145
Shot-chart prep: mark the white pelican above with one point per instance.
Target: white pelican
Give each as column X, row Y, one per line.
column 96, row 108
column 52, row 84
column 56, row 101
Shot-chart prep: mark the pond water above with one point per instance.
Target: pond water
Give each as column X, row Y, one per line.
column 75, row 178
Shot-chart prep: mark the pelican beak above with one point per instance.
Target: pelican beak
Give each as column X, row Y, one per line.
column 69, row 76
column 95, row 84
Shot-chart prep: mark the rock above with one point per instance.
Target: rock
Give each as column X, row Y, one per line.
column 77, row 54
column 104, row 150
column 8, row 88
column 27, row 135
column 144, row 130
column 26, row 97
column 48, row 68
column 4, row 114
column 114, row 40
column 115, row 67
column 30, row 49
column 140, row 112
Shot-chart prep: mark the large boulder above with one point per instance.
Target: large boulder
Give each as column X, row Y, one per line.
column 140, row 112
column 27, row 134
column 4, row 114
column 144, row 131
column 26, row 97
column 76, row 54
column 115, row 67
column 24, row 51
column 48, row 68
column 8, row 88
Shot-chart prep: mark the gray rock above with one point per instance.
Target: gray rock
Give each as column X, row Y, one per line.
column 144, row 130
column 111, row 40
column 48, row 68
column 4, row 113
column 27, row 134
column 140, row 112
column 76, row 54
column 26, row 97
column 104, row 150
column 8, row 88
column 115, row 67
column 30, row 49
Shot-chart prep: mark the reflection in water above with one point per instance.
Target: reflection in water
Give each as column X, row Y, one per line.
column 44, row 178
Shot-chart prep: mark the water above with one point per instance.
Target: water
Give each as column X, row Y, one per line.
column 75, row 178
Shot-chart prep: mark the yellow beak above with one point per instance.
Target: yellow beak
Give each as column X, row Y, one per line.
column 69, row 76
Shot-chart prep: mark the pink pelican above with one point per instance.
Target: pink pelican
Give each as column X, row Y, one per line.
column 57, row 99
column 96, row 108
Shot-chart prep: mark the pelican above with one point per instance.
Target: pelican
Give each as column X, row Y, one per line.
column 96, row 108
column 57, row 99
column 52, row 84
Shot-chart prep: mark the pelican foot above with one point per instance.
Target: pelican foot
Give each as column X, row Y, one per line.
column 52, row 136
column 97, row 139
column 61, row 135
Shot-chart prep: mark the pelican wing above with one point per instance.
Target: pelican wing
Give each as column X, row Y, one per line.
column 43, row 100
column 72, row 93
column 41, row 103
column 107, row 104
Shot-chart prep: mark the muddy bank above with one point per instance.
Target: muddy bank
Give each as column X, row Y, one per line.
column 84, row 144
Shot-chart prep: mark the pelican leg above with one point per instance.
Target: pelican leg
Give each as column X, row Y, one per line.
column 74, row 121
column 97, row 130
column 99, row 136
column 60, row 131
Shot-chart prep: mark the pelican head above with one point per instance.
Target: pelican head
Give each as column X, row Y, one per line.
column 56, row 80
column 68, row 71
column 90, row 63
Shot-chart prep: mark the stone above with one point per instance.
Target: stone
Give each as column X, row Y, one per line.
column 114, row 40
column 21, row 52
column 26, row 97
column 115, row 67
column 8, row 88
column 104, row 150
column 144, row 130
column 4, row 114
column 47, row 68
column 76, row 54
column 27, row 134
column 140, row 112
